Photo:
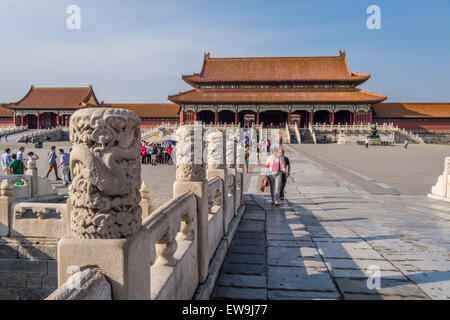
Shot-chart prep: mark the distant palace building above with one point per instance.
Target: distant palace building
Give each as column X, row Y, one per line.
column 414, row 116
column 275, row 91
column 50, row 107
column 53, row 107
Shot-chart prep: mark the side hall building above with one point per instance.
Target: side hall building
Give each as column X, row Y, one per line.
column 276, row 91
column 44, row 108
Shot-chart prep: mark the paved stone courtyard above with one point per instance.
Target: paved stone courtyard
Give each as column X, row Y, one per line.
column 341, row 217
column 159, row 178
column 321, row 243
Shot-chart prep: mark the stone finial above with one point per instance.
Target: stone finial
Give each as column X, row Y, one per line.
column 106, row 170
column 7, row 188
column 190, row 166
column 145, row 191
column 231, row 148
column 31, row 164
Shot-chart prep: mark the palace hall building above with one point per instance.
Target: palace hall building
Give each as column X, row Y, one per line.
column 276, row 91
column 51, row 107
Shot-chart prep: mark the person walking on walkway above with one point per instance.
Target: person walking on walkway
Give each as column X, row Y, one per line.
column 51, row 159
column 286, row 174
column 65, row 164
column 366, row 143
column 275, row 167
column 406, row 144
column 247, row 156
column 6, row 160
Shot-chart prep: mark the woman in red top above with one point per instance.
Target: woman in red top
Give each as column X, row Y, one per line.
column 144, row 153
column 169, row 153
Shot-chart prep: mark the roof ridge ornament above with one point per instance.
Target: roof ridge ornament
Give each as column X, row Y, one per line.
column 342, row 53
column 207, row 56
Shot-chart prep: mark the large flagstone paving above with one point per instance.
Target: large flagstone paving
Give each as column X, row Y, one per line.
column 325, row 239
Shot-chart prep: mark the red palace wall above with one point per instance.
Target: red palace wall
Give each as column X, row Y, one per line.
column 154, row 123
column 419, row 125
column 6, row 122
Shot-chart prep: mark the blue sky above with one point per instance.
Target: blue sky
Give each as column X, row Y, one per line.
column 137, row 50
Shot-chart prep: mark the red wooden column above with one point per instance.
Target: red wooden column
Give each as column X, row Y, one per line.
column 216, row 117
column 289, row 117
column 182, row 116
column 370, row 116
column 14, row 119
column 257, row 117
column 354, row 117
column 311, row 117
column 57, row 120
column 332, row 117
column 195, row 116
column 21, row 120
column 236, row 117
column 38, row 120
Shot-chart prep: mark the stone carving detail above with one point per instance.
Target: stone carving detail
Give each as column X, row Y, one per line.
column 240, row 148
column 441, row 188
column 230, row 186
column 190, row 153
column 214, row 199
column 214, row 148
column 7, row 188
column 106, row 172
column 231, row 148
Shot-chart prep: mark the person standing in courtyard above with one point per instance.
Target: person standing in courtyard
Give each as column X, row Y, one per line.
column 51, row 160
column 406, row 144
column 275, row 167
column 65, row 164
column 366, row 143
column 16, row 166
column 20, row 154
column 169, row 155
column 144, row 154
column 284, row 175
column 6, row 160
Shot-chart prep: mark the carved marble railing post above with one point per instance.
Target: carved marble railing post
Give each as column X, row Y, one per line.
column 7, row 191
column 104, row 202
column 33, row 172
column 146, row 203
column 216, row 166
column 231, row 167
column 440, row 191
column 240, row 163
column 191, row 176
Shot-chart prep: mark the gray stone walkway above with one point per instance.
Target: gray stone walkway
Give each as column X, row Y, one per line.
column 324, row 240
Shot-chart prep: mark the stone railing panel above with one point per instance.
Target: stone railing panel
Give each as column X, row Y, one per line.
column 215, row 215
column 172, row 234
column 39, row 220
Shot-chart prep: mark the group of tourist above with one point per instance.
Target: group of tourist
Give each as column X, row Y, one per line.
column 154, row 154
column 16, row 163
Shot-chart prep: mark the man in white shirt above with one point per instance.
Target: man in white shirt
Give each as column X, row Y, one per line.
column 20, row 154
column 6, row 160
